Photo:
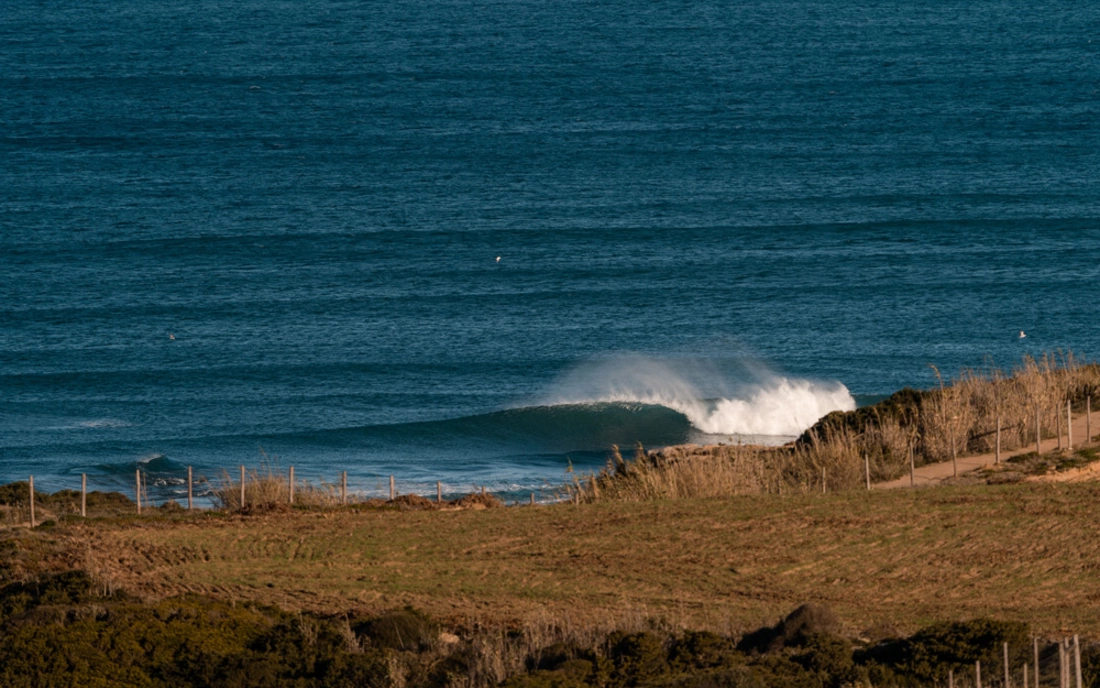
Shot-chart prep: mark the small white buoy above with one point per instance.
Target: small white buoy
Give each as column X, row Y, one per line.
column 171, row 336
column 1022, row 335
column 498, row 259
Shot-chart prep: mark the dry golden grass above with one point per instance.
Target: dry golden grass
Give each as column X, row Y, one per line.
column 956, row 419
column 265, row 488
column 900, row 558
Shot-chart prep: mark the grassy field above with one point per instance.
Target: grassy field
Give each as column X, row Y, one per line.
column 883, row 561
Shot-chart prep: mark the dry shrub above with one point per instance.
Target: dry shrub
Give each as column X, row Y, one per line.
column 264, row 489
column 967, row 411
column 493, row 655
column 832, row 458
column 675, row 472
column 412, row 502
column 477, row 500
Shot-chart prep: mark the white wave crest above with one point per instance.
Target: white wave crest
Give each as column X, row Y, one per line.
column 768, row 405
column 784, row 407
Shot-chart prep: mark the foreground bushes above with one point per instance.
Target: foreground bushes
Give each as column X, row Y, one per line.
column 60, row 631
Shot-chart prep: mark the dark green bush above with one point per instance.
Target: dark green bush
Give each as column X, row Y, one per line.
column 928, row 654
column 60, row 631
column 406, row 630
column 637, row 656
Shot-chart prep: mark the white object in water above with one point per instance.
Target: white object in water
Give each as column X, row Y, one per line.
column 1022, row 335
column 498, row 259
column 171, row 336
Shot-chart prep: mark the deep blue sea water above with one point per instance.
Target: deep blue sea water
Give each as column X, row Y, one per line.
column 227, row 227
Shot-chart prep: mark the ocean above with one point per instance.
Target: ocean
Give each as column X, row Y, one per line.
column 480, row 242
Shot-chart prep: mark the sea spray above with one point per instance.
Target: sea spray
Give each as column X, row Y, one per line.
column 784, row 406
column 758, row 402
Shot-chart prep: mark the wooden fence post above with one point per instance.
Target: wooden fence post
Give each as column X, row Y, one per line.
column 291, row 478
column 978, row 673
column 393, row 492
column 532, row 499
column 1035, row 651
column 344, row 487
column 913, row 469
column 1088, row 419
column 83, row 495
column 1058, row 426
column 823, row 490
column 137, row 489
column 1025, row 674
column 190, row 491
column 1077, row 659
column 242, row 487
column 1038, row 432
column 950, row 678
column 1062, row 663
column 997, row 458
column 483, row 490
column 1069, row 426
column 30, row 482
column 867, row 470
column 1004, row 646
column 438, row 492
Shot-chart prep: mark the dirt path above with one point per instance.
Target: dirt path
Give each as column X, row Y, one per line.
column 934, row 473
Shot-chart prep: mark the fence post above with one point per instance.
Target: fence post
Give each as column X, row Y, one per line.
column 823, row 490
column 1058, row 426
column 1088, row 419
column 344, row 487
column 438, row 492
column 532, row 499
column 978, row 673
column 1077, row 659
column 950, row 678
column 867, row 470
column 1062, row 663
column 913, row 469
column 292, row 485
column 1025, row 674
column 30, row 482
column 393, row 493
column 1038, row 432
column 997, row 458
column 1004, row 646
column 137, row 489
column 1035, row 650
column 190, row 491
column 242, row 487
column 1069, row 426
column 83, row 495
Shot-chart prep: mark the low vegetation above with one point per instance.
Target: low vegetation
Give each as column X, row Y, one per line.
column 64, row 630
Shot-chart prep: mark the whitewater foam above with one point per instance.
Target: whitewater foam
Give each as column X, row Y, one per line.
column 767, row 405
